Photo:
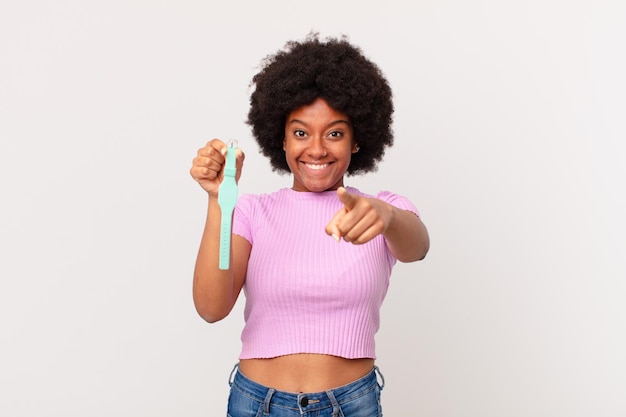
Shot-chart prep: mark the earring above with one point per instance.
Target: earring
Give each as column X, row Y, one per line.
column 356, row 149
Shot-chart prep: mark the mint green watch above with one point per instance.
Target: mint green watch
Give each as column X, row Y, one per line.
column 227, row 198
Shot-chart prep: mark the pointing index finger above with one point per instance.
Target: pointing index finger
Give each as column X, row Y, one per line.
column 348, row 200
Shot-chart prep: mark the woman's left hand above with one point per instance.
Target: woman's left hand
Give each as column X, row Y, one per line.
column 360, row 220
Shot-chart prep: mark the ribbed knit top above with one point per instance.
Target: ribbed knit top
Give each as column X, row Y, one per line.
column 306, row 292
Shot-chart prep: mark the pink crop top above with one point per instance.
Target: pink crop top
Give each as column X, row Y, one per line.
column 305, row 292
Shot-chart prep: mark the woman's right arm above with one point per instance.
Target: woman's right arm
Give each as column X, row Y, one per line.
column 215, row 291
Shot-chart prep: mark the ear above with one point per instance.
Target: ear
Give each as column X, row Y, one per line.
column 284, row 144
column 355, row 147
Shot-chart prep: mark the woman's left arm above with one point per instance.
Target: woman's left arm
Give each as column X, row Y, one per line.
column 407, row 237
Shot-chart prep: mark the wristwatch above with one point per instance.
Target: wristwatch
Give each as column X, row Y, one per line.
column 226, row 199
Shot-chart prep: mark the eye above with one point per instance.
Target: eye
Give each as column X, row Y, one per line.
column 299, row 133
column 335, row 134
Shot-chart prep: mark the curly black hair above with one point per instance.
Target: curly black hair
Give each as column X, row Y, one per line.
column 336, row 71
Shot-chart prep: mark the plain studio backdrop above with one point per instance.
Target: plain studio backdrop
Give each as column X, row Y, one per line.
column 510, row 137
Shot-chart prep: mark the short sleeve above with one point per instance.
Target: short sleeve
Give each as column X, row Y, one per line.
column 242, row 217
column 398, row 201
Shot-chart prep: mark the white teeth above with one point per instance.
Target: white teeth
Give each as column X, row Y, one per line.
column 316, row 167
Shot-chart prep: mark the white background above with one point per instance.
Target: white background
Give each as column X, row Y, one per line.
column 509, row 138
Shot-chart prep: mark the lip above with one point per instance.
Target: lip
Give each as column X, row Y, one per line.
column 316, row 166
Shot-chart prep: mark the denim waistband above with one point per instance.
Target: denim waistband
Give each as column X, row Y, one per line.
column 312, row 400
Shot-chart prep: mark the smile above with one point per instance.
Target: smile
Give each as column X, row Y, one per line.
column 316, row 167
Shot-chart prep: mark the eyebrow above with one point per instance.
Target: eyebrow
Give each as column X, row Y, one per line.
column 333, row 123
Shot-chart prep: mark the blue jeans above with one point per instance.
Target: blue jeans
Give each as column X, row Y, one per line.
column 360, row 398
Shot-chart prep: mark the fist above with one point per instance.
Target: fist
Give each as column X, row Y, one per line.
column 208, row 166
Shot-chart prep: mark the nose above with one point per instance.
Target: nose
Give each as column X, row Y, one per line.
column 316, row 148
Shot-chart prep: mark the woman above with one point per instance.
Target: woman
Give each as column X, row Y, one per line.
column 314, row 260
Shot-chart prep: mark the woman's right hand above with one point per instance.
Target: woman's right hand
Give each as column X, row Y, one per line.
column 208, row 165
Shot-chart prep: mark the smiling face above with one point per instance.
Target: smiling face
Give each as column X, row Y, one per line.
column 318, row 146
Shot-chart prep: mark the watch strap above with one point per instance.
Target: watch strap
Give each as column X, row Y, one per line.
column 226, row 199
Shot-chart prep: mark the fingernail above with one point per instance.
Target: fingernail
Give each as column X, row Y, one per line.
column 223, row 151
column 336, row 237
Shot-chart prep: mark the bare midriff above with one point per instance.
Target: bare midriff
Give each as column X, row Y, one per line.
column 305, row 372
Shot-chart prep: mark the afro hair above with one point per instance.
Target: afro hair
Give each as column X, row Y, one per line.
column 336, row 71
